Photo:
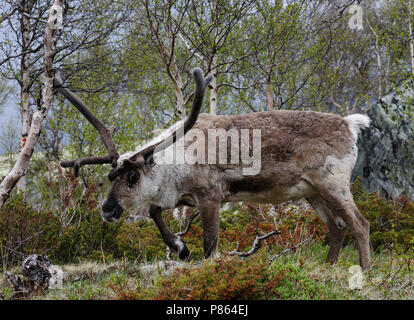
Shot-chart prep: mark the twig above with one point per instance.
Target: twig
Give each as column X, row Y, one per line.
column 20, row 288
column 190, row 221
column 255, row 246
column 271, row 259
column 12, row 250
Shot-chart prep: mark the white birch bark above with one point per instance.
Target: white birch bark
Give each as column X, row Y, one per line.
column 25, row 72
column 410, row 34
column 213, row 87
column 25, row 154
column 213, row 84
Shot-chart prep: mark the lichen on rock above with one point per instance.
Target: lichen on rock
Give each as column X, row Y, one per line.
column 386, row 149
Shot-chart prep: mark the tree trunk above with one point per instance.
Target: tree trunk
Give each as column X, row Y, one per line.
column 379, row 63
column 213, row 67
column 25, row 154
column 178, row 83
column 26, row 8
column 213, row 89
column 269, row 88
column 410, row 35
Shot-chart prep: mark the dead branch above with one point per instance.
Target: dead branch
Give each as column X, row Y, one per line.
column 36, row 275
column 20, row 288
column 190, row 221
column 271, row 259
column 255, row 246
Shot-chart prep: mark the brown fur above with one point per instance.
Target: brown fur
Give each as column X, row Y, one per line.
column 288, row 140
column 304, row 154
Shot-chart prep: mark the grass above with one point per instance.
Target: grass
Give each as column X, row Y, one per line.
column 126, row 260
column 302, row 274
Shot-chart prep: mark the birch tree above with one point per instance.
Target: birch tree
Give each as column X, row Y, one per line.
column 410, row 33
column 27, row 149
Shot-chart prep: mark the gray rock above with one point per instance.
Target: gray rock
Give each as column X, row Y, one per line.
column 386, row 149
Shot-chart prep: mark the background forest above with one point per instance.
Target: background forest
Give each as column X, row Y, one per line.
column 131, row 62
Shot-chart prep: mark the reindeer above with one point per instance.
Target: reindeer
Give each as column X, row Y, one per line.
column 304, row 154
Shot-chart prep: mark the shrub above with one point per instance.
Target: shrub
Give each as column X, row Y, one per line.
column 89, row 238
column 140, row 241
column 24, row 231
column 245, row 279
column 81, row 234
column 392, row 221
column 295, row 224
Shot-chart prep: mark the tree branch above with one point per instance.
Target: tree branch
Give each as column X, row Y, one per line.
column 255, row 246
column 25, row 154
column 190, row 221
column 271, row 259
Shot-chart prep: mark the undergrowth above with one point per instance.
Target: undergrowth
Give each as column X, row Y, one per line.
column 76, row 236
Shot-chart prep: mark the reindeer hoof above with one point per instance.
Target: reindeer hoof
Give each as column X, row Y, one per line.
column 184, row 254
column 181, row 249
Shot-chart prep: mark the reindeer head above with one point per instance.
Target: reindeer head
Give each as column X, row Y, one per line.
column 129, row 174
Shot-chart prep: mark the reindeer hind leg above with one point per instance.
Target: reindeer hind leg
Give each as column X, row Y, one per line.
column 209, row 213
column 336, row 227
column 337, row 195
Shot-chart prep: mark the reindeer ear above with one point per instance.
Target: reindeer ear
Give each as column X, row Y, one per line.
column 150, row 161
column 136, row 161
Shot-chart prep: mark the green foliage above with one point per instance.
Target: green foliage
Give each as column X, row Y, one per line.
column 392, row 221
column 87, row 239
column 296, row 284
column 84, row 291
column 24, row 231
column 247, row 220
column 80, row 234
column 140, row 241
column 245, row 279
column 290, row 276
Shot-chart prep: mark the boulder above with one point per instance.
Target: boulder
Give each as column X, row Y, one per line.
column 386, row 149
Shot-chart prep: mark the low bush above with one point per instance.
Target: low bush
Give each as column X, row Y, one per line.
column 24, row 231
column 246, row 279
column 392, row 221
column 82, row 235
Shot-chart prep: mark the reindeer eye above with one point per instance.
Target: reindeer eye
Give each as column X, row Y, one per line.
column 133, row 177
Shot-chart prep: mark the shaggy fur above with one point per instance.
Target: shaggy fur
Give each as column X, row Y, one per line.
column 304, row 154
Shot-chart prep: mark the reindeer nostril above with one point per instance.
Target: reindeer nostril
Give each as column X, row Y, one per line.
column 111, row 210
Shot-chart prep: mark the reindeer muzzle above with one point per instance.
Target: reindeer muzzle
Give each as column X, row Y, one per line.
column 111, row 210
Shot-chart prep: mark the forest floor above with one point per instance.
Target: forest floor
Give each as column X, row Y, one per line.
column 300, row 274
column 128, row 259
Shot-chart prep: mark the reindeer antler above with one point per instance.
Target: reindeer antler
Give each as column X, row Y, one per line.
column 142, row 156
column 201, row 85
column 105, row 134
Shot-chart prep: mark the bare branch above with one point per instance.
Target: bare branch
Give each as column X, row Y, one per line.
column 255, row 246
column 8, row 15
column 192, row 51
column 254, row 82
column 180, row 234
column 26, row 152
column 190, row 221
column 271, row 259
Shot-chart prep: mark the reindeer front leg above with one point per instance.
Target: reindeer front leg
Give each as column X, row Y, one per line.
column 174, row 242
